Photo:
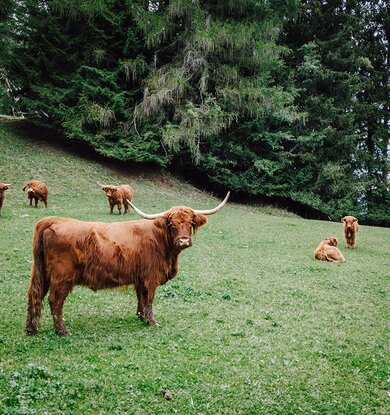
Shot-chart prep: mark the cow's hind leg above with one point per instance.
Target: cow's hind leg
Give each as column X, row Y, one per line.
column 34, row 310
column 57, row 297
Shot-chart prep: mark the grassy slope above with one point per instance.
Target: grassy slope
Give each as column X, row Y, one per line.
column 252, row 324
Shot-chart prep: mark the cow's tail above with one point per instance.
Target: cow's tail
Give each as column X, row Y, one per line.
column 39, row 283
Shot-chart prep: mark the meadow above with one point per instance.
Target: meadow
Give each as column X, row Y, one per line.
column 253, row 324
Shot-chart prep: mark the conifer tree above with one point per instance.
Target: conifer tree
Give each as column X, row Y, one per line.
column 341, row 77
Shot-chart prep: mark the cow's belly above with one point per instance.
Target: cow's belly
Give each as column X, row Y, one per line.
column 98, row 276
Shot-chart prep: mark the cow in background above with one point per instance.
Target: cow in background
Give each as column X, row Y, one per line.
column 327, row 251
column 36, row 190
column 98, row 255
column 118, row 195
column 351, row 228
column 3, row 188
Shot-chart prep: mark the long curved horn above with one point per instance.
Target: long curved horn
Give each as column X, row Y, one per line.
column 159, row 215
column 8, row 184
column 216, row 209
column 145, row 215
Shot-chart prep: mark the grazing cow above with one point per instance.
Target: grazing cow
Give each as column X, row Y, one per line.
column 98, row 255
column 36, row 190
column 3, row 188
column 327, row 251
column 118, row 195
column 351, row 228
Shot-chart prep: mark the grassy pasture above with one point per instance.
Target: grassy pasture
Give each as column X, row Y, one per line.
column 251, row 325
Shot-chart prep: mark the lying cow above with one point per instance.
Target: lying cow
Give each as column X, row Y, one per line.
column 98, row 255
column 327, row 251
column 3, row 188
column 36, row 190
column 351, row 228
column 118, row 195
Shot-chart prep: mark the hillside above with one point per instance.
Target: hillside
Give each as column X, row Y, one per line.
column 251, row 325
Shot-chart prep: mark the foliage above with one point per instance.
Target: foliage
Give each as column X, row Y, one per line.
column 214, row 69
column 85, row 77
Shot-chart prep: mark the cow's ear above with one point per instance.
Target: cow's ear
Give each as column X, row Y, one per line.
column 342, row 220
column 198, row 220
column 164, row 220
column 355, row 220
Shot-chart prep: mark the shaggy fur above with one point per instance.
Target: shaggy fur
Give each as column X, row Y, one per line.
column 118, row 195
column 69, row 252
column 3, row 188
column 327, row 251
column 36, row 190
column 351, row 228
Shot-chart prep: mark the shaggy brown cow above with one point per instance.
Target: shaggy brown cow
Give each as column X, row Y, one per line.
column 36, row 190
column 3, row 188
column 327, row 251
column 118, row 195
column 69, row 252
column 351, row 228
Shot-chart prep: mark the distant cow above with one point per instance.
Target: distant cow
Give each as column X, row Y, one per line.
column 118, row 195
column 3, row 188
column 351, row 228
column 98, row 255
column 327, row 251
column 36, row 190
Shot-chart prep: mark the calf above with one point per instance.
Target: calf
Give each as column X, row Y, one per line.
column 3, row 188
column 118, row 195
column 327, row 251
column 351, row 228
column 36, row 190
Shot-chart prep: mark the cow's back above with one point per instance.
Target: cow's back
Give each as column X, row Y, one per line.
column 126, row 192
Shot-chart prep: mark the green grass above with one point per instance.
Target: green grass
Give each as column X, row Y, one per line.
column 251, row 325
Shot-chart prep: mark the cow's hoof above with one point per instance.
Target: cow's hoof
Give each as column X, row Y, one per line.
column 63, row 332
column 153, row 323
column 31, row 332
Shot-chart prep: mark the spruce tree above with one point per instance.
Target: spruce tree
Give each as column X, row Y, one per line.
column 219, row 89
column 341, row 79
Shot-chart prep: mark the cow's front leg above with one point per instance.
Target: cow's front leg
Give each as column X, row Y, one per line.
column 36, row 201
column 56, row 300
column 111, row 206
column 142, row 296
column 148, row 310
